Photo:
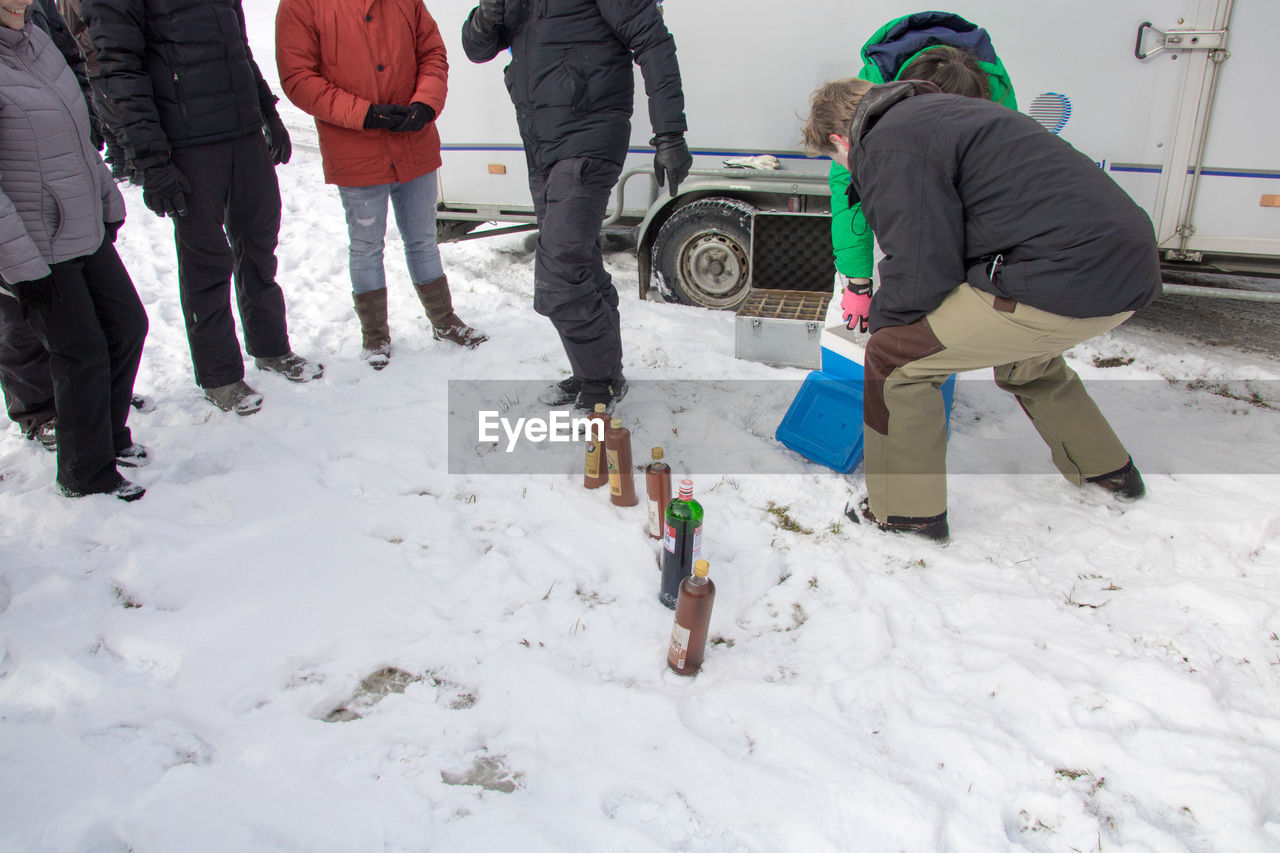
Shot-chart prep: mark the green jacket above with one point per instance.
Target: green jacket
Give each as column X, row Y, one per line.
column 894, row 47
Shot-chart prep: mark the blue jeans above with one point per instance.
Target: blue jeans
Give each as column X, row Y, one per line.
column 415, row 207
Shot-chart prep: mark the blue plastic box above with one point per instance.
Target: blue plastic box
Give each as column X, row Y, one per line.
column 824, row 422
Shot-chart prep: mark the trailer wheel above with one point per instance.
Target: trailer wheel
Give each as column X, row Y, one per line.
column 702, row 254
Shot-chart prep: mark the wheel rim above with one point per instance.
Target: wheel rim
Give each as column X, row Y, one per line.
column 715, row 265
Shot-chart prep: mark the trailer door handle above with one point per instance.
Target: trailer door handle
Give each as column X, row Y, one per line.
column 1179, row 40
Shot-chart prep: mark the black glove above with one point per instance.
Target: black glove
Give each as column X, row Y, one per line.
column 39, row 295
column 384, row 116
column 164, row 190
column 671, row 159
column 419, row 115
column 488, row 15
column 113, row 228
column 277, row 140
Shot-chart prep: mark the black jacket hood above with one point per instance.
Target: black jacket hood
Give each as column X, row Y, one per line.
column 874, row 105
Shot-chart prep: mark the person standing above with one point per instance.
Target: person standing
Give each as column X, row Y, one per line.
column 59, row 214
column 572, row 85
column 1004, row 247
column 375, row 75
column 199, row 126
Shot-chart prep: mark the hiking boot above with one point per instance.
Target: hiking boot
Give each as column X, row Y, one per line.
column 124, row 490
column 128, row 492
column 375, row 334
column 607, row 391
column 930, row 527
column 1125, row 483
column 562, row 393
column 237, row 397
column 133, row 456
column 446, row 325
column 291, row 366
column 47, row 434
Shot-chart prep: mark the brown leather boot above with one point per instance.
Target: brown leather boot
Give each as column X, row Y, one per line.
column 446, row 325
column 375, row 346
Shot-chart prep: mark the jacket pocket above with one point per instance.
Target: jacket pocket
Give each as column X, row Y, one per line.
column 51, row 213
column 179, row 96
column 576, row 81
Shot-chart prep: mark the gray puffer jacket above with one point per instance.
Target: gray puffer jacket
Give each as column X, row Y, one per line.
column 55, row 192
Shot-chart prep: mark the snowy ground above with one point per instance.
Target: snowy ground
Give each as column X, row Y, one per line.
column 311, row 636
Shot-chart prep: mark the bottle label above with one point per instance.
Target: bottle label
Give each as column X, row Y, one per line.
column 615, row 476
column 655, row 525
column 679, row 651
column 669, row 538
column 593, row 460
column 697, row 544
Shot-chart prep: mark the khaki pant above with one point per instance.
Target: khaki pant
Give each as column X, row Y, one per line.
column 905, row 441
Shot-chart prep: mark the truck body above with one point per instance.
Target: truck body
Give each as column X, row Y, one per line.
column 1171, row 98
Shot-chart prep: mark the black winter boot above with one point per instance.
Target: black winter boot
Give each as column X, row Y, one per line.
column 1125, row 483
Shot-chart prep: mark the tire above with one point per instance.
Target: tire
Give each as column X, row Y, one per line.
column 702, row 254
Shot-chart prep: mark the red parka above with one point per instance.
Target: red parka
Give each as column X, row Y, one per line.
column 336, row 57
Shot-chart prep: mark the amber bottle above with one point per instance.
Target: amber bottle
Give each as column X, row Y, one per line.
column 693, row 620
column 617, row 454
column 657, row 481
column 594, row 473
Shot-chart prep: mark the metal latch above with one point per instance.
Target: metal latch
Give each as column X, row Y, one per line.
column 1179, row 40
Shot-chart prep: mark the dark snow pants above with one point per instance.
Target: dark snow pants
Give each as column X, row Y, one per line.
column 570, row 285
column 94, row 335
column 234, row 194
column 24, row 370
column 905, row 435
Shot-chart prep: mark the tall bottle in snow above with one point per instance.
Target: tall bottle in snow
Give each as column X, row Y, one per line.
column 681, row 542
column 657, row 481
column 617, row 453
column 693, row 621
column 595, row 474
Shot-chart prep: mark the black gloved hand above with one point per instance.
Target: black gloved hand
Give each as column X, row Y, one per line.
column 671, row 159
column 39, row 295
column 164, row 190
column 113, row 229
column 489, row 14
column 419, row 115
column 277, row 140
column 384, row 116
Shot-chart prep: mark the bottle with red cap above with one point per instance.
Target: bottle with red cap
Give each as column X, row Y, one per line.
column 681, row 542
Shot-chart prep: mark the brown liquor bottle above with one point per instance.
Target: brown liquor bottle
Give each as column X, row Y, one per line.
column 617, row 453
column 657, row 481
column 693, row 620
column 594, row 473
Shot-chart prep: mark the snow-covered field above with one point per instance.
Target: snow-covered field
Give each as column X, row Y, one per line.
column 311, row 636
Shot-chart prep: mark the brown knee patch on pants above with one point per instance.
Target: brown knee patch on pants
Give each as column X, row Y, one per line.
column 887, row 350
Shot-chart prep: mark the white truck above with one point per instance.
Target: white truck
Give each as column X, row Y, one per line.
column 1175, row 99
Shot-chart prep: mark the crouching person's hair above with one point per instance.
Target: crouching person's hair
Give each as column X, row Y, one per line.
column 831, row 109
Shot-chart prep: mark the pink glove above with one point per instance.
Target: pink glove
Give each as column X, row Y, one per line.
column 855, row 304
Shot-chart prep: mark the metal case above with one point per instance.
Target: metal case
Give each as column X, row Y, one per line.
column 781, row 327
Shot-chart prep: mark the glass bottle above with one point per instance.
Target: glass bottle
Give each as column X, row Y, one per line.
column 681, row 542
column 617, row 452
column 693, row 621
column 657, row 481
column 594, row 473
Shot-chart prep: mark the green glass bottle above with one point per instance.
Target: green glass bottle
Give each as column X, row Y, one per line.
column 681, row 542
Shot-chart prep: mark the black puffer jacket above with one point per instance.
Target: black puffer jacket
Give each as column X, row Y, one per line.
column 177, row 72
column 961, row 189
column 570, row 75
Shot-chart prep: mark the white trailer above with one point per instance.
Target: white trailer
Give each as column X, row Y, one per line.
column 1175, row 99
